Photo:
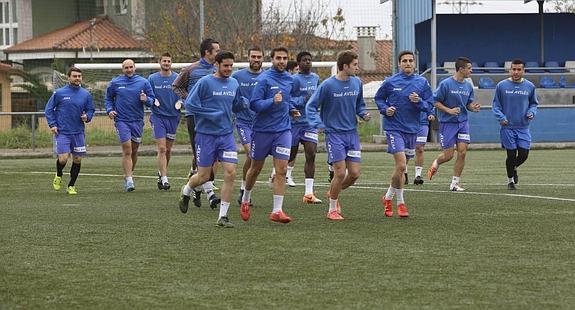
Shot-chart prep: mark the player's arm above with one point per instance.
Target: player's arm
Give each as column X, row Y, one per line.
column 533, row 102
column 381, row 97
column 240, row 103
column 258, row 101
column 180, row 84
column 360, row 107
column 496, row 107
column 149, row 92
column 110, row 100
column 89, row 109
column 50, row 113
column 311, row 109
column 194, row 102
column 471, row 104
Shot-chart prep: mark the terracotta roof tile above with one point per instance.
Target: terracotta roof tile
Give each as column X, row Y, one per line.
column 105, row 36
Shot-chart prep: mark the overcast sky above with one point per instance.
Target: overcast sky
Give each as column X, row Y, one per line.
column 372, row 13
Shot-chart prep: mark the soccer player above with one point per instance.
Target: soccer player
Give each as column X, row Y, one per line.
column 515, row 105
column 305, row 84
column 212, row 101
column 292, row 67
column 421, row 140
column 453, row 97
column 183, row 85
column 125, row 99
column 401, row 99
column 271, row 132
column 340, row 100
column 165, row 116
column 244, row 119
column 66, row 112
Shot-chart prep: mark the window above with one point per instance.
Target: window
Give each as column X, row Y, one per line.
column 121, row 7
column 8, row 23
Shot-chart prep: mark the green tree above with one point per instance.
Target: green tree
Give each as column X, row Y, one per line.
column 563, row 6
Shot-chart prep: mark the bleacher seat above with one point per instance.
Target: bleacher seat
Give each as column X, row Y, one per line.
column 486, row 83
column 570, row 65
column 449, row 66
column 553, row 64
column 475, row 68
column 493, row 67
column 438, row 71
column 548, row 82
column 564, row 84
column 533, row 64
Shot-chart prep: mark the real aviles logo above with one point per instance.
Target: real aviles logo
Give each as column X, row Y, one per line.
column 517, row 92
column 346, row 93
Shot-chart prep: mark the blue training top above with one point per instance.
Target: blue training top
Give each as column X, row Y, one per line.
column 247, row 81
column 212, row 101
column 123, row 96
column 513, row 101
column 339, row 103
column 394, row 92
column 65, row 108
column 304, row 87
column 272, row 117
column 452, row 93
column 162, row 87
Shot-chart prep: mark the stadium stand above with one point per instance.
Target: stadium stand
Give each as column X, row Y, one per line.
column 475, row 68
column 548, row 82
column 493, row 67
column 564, row 84
column 570, row 65
column 486, row 83
column 439, row 71
column 449, row 66
column 533, row 67
column 554, row 67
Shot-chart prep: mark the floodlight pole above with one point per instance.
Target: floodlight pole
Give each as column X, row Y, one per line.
column 433, row 45
column 201, row 20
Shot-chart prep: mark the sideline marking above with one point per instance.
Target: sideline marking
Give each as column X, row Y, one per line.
column 326, row 185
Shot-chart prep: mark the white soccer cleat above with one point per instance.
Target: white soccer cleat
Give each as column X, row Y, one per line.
column 290, row 182
column 456, row 188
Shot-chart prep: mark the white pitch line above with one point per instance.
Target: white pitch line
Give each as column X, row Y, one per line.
column 326, row 185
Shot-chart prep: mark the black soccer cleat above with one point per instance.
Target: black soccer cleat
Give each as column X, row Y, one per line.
column 197, row 198
column 166, row 186
column 160, row 186
column 511, row 186
column 418, row 180
column 214, row 201
column 515, row 176
column 184, row 202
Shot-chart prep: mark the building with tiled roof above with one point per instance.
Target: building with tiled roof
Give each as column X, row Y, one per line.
column 90, row 39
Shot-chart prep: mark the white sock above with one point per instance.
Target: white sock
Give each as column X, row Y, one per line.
column 390, row 193
column 510, row 180
column 273, row 172
column 187, row 190
column 129, row 179
column 289, row 170
column 247, row 195
column 399, row 192
column 278, row 202
column 243, row 186
column 330, row 168
column 435, row 164
column 418, row 171
column 208, row 186
column 405, row 171
column 224, row 205
column 332, row 205
column 164, row 179
column 454, row 180
column 308, row 186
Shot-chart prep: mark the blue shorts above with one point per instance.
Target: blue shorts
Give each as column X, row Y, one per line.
column 130, row 131
column 74, row 144
column 245, row 133
column 342, row 146
column 421, row 136
column 511, row 139
column 277, row 144
column 164, row 126
column 303, row 133
column 398, row 141
column 210, row 148
column 451, row 133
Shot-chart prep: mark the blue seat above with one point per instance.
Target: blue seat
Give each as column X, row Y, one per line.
column 554, row 64
column 474, row 67
column 493, row 67
column 564, row 84
column 486, row 83
column 533, row 64
column 548, row 82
